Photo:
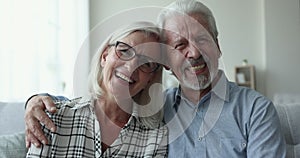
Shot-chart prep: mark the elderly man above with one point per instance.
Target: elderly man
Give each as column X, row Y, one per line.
column 208, row 116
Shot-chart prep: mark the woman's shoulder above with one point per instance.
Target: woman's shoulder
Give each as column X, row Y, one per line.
column 80, row 106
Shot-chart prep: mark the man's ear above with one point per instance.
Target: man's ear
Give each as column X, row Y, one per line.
column 104, row 56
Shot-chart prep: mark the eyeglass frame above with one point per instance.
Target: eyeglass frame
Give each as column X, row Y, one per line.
column 134, row 54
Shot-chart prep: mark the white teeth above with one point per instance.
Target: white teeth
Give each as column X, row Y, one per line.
column 118, row 74
column 198, row 67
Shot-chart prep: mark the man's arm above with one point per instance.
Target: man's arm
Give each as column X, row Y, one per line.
column 35, row 115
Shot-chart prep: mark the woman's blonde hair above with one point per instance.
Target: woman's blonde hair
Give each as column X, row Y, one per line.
column 143, row 97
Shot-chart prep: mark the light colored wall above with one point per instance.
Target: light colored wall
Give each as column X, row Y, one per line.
column 282, row 46
column 242, row 34
column 101, row 9
column 118, row 12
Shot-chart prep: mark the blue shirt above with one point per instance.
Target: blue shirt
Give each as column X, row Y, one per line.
column 228, row 122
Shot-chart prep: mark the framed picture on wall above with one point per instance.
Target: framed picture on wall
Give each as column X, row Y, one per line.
column 241, row 78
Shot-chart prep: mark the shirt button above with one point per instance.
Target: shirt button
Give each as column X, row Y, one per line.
column 244, row 145
column 200, row 138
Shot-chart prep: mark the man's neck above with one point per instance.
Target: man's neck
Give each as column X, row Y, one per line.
column 194, row 95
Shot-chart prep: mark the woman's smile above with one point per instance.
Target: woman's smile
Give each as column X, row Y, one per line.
column 124, row 77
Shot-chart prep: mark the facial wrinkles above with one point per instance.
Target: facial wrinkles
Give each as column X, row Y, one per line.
column 120, row 71
column 191, row 30
column 206, row 58
column 147, row 47
column 190, row 79
column 138, row 42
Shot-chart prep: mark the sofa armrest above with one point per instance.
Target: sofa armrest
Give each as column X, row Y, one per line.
column 13, row 146
column 289, row 120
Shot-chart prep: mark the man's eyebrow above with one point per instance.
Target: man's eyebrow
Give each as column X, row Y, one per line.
column 202, row 34
column 177, row 38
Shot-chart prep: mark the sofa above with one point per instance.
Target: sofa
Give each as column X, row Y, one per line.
column 289, row 115
column 12, row 144
column 12, row 141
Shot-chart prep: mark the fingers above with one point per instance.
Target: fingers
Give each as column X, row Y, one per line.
column 49, row 104
column 31, row 139
column 34, row 115
column 44, row 119
column 34, row 133
column 35, row 112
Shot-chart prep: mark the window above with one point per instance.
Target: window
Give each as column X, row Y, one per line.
column 39, row 43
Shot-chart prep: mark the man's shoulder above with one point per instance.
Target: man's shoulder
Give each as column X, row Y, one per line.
column 247, row 95
column 242, row 90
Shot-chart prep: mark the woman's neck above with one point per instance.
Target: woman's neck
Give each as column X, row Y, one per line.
column 112, row 118
column 112, row 112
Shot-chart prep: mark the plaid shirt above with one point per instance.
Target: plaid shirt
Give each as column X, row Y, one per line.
column 78, row 135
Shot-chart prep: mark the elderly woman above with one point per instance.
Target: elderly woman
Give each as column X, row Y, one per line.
column 109, row 123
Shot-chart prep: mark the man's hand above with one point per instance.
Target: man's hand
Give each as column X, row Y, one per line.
column 34, row 115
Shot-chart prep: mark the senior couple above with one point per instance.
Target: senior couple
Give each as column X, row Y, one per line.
column 126, row 115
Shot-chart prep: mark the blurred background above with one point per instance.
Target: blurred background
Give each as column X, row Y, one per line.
column 42, row 42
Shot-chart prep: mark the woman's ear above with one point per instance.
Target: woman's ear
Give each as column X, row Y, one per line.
column 104, row 56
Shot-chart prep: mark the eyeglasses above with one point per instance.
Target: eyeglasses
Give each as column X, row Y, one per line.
column 125, row 52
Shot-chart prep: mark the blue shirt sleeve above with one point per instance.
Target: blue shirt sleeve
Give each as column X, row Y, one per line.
column 54, row 98
column 58, row 98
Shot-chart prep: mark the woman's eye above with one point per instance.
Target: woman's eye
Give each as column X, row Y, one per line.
column 149, row 65
column 124, row 52
column 144, row 60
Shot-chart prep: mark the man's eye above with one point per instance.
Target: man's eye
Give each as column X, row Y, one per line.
column 202, row 41
column 179, row 46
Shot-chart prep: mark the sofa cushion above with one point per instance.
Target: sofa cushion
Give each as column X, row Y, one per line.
column 11, row 117
column 289, row 120
column 13, row 146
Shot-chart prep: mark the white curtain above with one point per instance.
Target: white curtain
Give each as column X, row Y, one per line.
column 39, row 42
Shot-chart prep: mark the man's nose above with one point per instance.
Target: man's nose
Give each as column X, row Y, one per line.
column 192, row 52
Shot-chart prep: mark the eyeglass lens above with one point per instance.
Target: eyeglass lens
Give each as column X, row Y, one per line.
column 126, row 52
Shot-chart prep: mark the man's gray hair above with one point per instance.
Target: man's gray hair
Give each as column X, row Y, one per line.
column 188, row 7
